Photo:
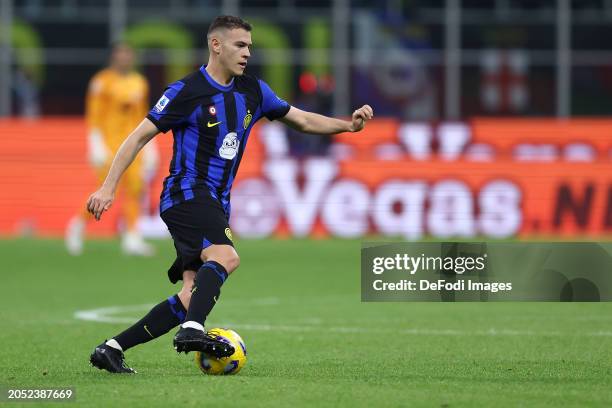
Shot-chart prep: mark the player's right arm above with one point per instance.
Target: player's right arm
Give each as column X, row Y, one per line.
column 102, row 199
column 169, row 112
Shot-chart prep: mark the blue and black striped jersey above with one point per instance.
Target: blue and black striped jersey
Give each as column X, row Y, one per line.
column 211, row 125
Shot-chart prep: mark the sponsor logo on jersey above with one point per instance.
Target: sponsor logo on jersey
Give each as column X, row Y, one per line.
column 212, row 110
column 212, row 124
column 229, row 148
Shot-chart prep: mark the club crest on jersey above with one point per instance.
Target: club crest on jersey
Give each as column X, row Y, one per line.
column 247, row 120
column 212, row 110
column 228, row 234
column 229, row 148
column 161, row 104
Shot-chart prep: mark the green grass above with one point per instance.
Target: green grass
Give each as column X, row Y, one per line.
column 311, row 342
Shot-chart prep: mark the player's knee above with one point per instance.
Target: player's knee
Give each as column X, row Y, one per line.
column 223, row 254
column 230, row 261
column 233, row 262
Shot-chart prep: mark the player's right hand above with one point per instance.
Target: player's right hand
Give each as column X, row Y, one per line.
column 99, row 202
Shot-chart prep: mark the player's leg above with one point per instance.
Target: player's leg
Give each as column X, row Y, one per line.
column 132, row 187
column 75, row 234
column 219, row 261
column 185, row 293
column 75, row 230
column 160, row 320
column 202, row 238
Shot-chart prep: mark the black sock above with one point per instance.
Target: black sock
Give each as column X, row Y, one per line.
column 160, row 320
column 206, row 290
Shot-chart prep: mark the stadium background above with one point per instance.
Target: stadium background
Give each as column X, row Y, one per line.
column 469, row 98
column 492, row 122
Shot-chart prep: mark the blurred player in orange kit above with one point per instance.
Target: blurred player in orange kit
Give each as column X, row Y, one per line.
column 117, row 100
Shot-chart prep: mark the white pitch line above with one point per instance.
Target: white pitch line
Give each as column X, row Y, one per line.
column 106, row 315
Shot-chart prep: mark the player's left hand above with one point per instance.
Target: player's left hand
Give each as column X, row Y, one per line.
column 360, row 117
column 99, row 202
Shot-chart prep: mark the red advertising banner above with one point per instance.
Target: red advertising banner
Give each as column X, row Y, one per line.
column 486, row 178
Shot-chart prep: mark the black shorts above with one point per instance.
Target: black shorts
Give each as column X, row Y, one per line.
column 195, row 225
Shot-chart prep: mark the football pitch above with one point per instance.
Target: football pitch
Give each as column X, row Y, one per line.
column 310, row 340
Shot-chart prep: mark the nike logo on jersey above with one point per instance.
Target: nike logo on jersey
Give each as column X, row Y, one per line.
column 212, row 124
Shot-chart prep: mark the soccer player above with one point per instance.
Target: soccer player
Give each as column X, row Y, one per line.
column 211, row 113
column 117, row 100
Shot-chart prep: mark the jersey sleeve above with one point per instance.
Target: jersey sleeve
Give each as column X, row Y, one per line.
column 272, row 106
column 173, row 108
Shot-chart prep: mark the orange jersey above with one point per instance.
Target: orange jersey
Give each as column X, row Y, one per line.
column 116, row 104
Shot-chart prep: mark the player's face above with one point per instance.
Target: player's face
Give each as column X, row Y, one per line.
column 123, row 58
column 235, row 50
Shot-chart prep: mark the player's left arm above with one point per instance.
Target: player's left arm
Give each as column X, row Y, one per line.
column 310, row 122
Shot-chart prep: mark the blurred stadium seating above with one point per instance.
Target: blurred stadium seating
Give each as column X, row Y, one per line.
column 491, row 116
